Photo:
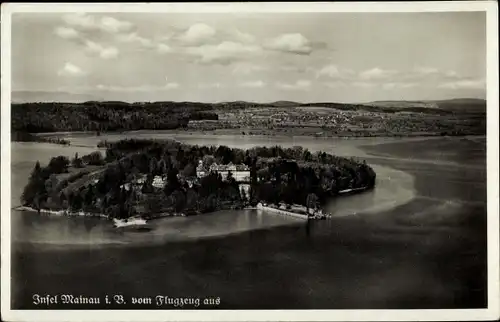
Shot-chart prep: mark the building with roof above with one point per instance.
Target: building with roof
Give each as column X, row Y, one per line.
column 240, row 172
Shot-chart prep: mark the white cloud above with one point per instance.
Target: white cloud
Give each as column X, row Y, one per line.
column 108, row 24
column 254, row 84
column 451, row 74
column 224, row 53
column 377, row 73
column 334, row 71
column 133, row 37
column 335, row 84
column 171, row 85
column 212, row 85
column 101, row 51
column 141, row 88
column 363, row 84
column 71, row 70
column 163, row 48
column 198, row 33
column 290, row 43
column 426, row 70
column 66, row 32
column 390, row 86
column 113, row 25
column 298, row 85
column 242, row 37
column 247, row 68
column 81, row 20
column 465, row 84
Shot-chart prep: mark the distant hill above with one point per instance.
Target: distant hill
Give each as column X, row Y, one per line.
column 49, row 97
column 458, row 104
column 463, row 104
column 285, row 104
column 402, row 104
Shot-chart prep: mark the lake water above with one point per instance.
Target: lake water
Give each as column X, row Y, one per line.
column 416, row 241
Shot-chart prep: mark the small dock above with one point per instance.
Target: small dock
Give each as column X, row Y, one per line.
column 284, row 212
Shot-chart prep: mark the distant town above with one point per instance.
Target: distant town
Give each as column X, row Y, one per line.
column 399, row 118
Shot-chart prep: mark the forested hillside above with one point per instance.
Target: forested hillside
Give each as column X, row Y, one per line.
column 106, row 116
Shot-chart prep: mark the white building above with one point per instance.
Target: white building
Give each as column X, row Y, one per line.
column 158, row 182
column 240, row 172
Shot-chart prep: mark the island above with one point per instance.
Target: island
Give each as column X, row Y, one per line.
column 457, row 117
column 145, row 179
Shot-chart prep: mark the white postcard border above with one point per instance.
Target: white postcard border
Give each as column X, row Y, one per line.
column 491, row 313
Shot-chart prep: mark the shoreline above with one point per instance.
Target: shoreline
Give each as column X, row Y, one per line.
column 146, row 218
column 231, row 132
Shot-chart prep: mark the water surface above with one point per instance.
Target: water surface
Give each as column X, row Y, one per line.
column 417, row 241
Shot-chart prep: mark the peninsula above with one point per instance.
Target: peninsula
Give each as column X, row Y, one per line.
column 154, row 178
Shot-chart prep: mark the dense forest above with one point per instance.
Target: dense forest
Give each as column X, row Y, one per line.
column 106, row 116
column 97, row 184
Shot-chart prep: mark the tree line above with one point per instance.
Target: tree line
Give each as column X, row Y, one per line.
column 106, row 116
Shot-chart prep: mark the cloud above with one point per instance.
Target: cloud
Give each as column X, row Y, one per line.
column 426, row 70
column 87, row 22
column 163, row 48
column 103, row 52
column 451, row 74
column 224, row 53
column 333, row 71
column 242, row 36
column 211, row 85
column 290, row 43
column 133, row 37
column 298, row 85
column 253, row 84
column 66, row 32
column 80, row 20
column 363, row 84
column 197, row 34
column 171, row 85
column 141, row 88
column 247, row 68
column 377, row 73
column 113, row 25
column 390, row 86
column 70, row 70
column 295, row 68
column 464, row 84
column 335, row 84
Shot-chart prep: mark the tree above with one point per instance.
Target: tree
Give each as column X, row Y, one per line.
column 153, row 164
column 35, row 189
column 191, row 199
column 172, row 181
column 179, row 200
column 77, row 162
column 311, row 202
column 243, row 195
column 189, row 170
column 58, row 164
column 147, row 187
column 95, row 158
column 162, row 166
column 208, row 160
column 89, row 196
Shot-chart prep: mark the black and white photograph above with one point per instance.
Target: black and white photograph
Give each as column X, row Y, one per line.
column 220, row 161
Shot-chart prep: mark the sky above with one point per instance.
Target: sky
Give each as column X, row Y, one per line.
column 264, row 57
